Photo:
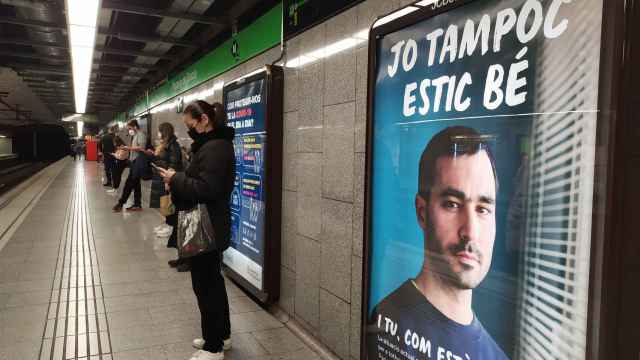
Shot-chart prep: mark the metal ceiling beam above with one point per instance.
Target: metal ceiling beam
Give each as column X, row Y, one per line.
column 33, row 56
column 126, row 64
column 53, row 93
column 51, row 90
column 131, row 53
column 101, row 31
column 44, row 71
column 108, row 91
column 50, row 87
column 113, row 83
column 132, row 65
column 26, row 42
column 145, row 38
column 121, row 7
column 31, row 23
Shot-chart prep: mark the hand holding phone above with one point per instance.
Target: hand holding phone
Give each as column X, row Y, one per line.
column 158, row 167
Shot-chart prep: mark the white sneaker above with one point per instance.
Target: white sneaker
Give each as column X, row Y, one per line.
column 199, row 344
column 206, row 355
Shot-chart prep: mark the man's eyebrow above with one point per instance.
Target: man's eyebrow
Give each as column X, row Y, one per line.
column 487, row 200
column 460, row 195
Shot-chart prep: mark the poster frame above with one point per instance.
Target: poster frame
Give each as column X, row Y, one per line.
column 601, row 225
column 274, row 81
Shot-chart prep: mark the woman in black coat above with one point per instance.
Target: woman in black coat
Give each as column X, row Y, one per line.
column 167, row 155
column 209, row 179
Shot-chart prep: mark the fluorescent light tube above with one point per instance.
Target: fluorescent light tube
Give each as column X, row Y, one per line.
column 398, row 14
column 83, row 12
column 82, row 17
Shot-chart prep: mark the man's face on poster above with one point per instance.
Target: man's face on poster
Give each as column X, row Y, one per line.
column 458, row 219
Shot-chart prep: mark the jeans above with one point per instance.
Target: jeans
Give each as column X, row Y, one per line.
column 132, row 184
column 208, row 285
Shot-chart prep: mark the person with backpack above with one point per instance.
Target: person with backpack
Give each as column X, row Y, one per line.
column 137, row 158
column 209, row 180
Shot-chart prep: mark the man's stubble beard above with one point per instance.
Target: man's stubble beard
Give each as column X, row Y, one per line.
column 439, row 266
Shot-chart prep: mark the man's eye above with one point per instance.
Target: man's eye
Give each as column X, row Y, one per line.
column 484, row 210
column 451, row 205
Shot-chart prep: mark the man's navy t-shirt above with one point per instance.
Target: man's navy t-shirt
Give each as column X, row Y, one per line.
column 405, row 325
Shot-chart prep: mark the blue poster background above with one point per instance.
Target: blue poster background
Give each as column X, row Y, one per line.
column 247, row 198
column 396, row 241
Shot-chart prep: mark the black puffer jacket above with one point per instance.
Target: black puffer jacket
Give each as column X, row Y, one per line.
column 209, row 179
column 170, row 158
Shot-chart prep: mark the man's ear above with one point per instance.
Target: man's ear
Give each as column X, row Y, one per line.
column 421, row 211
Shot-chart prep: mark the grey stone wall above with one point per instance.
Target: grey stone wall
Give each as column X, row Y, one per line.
column 323, row 180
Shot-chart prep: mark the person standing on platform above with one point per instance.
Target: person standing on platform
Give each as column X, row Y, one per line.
column 168, row 156
column 78, row 150
column 136, row 153
column 118, row 164
column 107, row 148
column 209, row 179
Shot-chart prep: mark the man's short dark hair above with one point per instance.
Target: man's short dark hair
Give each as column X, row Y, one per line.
column 133, row 123
column 450, row 142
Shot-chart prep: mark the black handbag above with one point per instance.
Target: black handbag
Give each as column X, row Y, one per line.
column 141, row 167
column 196, row 234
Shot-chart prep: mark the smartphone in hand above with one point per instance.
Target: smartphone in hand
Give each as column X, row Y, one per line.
column 158, row 167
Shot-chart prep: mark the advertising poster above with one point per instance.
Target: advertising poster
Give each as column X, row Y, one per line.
column 246, row 110
column 481, row 142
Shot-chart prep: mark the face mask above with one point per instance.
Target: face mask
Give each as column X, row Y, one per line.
column 193, row 133
column 131, row 132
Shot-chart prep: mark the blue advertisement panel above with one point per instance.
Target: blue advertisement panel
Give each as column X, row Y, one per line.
column 246, row 112
column 476, row 198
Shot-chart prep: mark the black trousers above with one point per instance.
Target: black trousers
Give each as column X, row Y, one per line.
column 132, row 184
column 116, row 173
column 109, row 165
column 172, row 220
column 208, row 284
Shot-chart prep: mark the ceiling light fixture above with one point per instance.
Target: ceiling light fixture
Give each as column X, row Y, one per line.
column 82, row 17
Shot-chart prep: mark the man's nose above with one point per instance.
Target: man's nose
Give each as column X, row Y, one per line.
column 469, row 227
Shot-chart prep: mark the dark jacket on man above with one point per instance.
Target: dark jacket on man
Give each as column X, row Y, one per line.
column 209, row 179
column 106, row 144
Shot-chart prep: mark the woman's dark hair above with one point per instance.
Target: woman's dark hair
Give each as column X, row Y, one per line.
column 166, row 130
column 133, row 123
column 215, row 112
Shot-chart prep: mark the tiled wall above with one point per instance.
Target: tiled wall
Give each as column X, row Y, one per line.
column 323, row 182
